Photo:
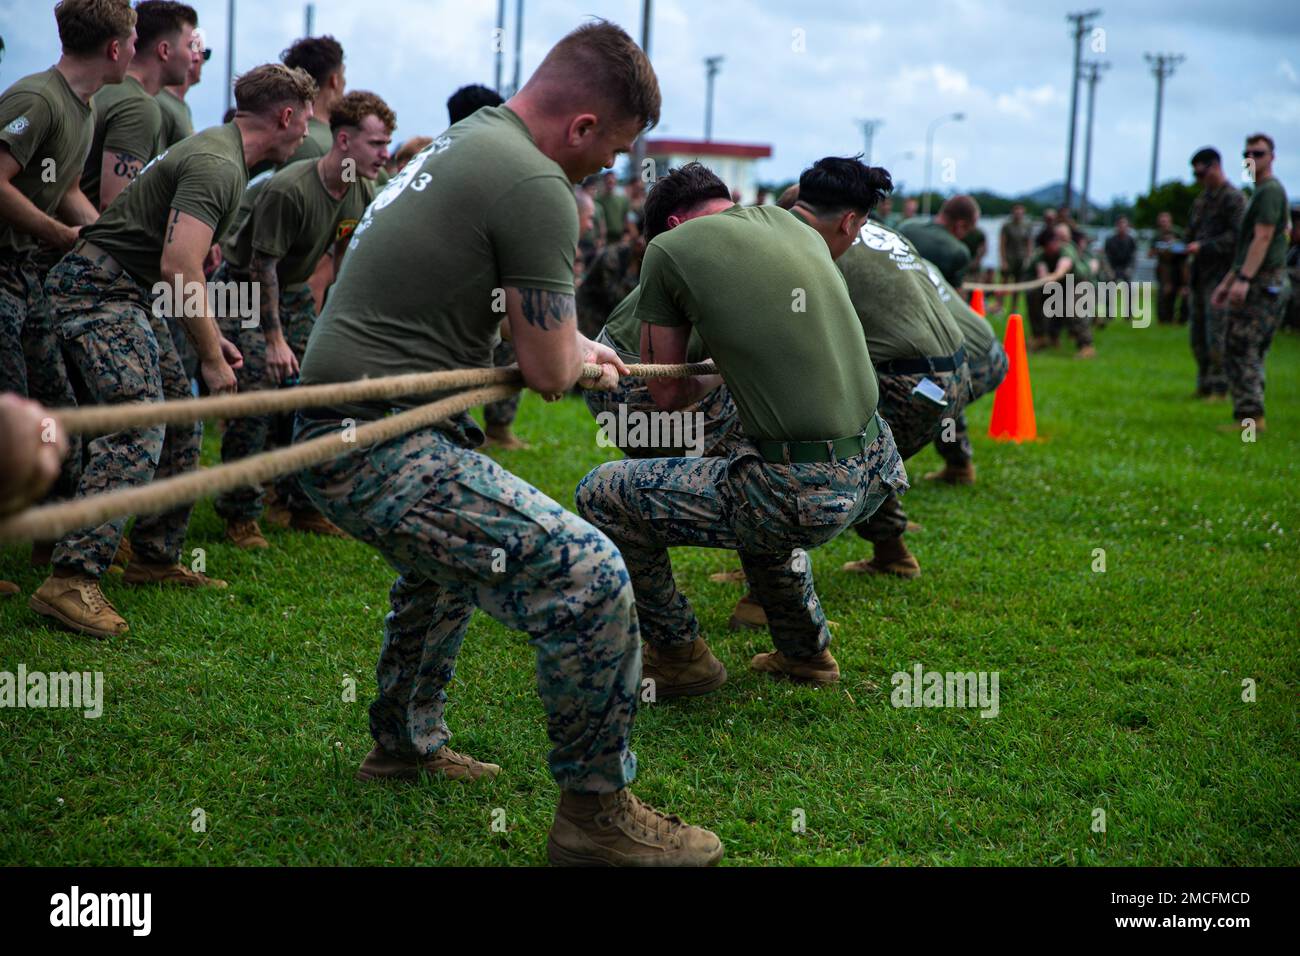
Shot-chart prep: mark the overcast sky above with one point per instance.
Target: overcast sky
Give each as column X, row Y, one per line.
column 798, row 74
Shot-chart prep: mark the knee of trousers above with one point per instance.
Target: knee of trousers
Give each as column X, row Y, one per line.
column 593, row 497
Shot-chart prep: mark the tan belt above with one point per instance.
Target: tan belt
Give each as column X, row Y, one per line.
column 88, row 250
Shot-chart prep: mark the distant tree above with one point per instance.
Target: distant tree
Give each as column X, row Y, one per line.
column 1175, row 198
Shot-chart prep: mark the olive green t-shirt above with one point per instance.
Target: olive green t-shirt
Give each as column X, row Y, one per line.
column 422, row 286
column 623, row 328
column 295, row 220
column 1267, row 207
column 48, row 129
column 127, row 120
column 900, row 312
column 203, row 176
column 177, row 120
column 977, row 334
column 760, row 287
column 316, row 143
column 613, row 214
column 940, row 246
column 1078, row 263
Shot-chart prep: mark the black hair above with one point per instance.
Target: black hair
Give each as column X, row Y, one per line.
column 680, row 191
column 838, row 184
column 470, row 99
column 321, row 57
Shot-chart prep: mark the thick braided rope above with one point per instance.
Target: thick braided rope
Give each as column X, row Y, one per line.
column 1008, row 286
column 104, row 419
column 51, row 522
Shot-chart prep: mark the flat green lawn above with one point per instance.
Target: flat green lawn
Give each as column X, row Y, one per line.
column 1120, row 691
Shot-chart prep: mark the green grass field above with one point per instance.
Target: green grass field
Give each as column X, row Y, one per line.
column 1119, row 690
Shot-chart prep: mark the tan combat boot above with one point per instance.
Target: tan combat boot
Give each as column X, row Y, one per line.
column 728, row 577
column 123, row 556
column 443, row 762
column 176, row 575
column 954, row 474
column 684, row 670
column 1240, row 426
column 617, row 829
column 76, row 602
column 313, row 522
column 747, row 615
column 891, row 557
column 822, row 669
column 9, row 589
column 246, row 535
column 1086, row 352
column 501, row 436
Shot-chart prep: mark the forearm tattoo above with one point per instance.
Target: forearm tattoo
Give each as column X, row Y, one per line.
column 263, row 270
column 547, row 310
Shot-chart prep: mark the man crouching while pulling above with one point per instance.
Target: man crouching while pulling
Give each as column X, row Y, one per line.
column 488, row 205
column 760, row 288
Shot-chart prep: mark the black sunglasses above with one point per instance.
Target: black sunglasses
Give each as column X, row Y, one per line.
column 1254, row 153
column 207, row 55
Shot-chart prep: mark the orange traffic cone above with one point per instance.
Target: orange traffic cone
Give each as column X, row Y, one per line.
column 977, row 301
column 1013, row 402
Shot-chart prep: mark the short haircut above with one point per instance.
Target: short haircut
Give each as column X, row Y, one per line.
column 960, row 209
column 356, row 106
column 1207, row 156
column 319, row 56
column 156, row 19
column 601, row 60
column 1262, row 138
column 468, row 100
column 86, row 25
column 271, row 86
column 837, row 184
column 406, row 152
column 679, row 192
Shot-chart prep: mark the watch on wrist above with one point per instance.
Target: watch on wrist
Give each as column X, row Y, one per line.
column 1241, row 276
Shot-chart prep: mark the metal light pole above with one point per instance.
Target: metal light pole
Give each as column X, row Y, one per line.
column 1082, row 22
column 309, row 20
column 638, row 148
column 1091, row 74
column 501, row 43
column 929, row 154
column 519, row 45
column 230, row 53
column 711, row 66
column 1163, row 66
column 869, row 128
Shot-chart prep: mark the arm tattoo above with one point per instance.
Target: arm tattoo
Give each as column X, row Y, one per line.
column 263, row 270
column 541, row 307
column 126, row 165
column 171, row 230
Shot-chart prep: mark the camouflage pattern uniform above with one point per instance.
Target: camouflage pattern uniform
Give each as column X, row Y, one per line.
column 1250, row 331
column 123, row 353
column 31, row 360
column 1214, row 222
column 914, row 422
column 503, row 412
column 462, row 532
column 986, row 374
column 248, row 436
column 721, row 419
column 605, row 284
column 1170, row 269
column 742, row 503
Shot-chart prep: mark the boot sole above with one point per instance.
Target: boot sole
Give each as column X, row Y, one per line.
column 851, row 568
column 796, row 678
column 48, row 610
column 562, row 856
column 698, row 689
column 740, row 624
